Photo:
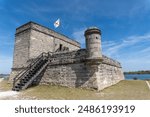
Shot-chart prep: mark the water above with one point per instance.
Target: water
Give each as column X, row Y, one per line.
column 138, row 76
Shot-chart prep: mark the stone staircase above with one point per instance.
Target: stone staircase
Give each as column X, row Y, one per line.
column 26, row 77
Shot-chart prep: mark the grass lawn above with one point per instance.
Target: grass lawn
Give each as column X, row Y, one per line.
column 5, row 86
column 127, row 89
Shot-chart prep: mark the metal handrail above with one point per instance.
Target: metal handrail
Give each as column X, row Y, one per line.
column 24, row 72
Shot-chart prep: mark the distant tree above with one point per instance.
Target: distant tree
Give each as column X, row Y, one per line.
column 138, row 72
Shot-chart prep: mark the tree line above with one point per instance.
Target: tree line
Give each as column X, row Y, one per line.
column 138, row 72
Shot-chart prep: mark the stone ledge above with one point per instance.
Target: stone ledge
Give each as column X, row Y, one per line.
column 79, row 56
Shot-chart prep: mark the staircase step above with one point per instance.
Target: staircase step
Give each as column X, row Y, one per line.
column 24, row 80
column 18, row 86
column 33, row 71
column 17, row 89
column 23, row 84
column 29, row 76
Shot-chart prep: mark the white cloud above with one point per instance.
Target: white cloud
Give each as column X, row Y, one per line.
column 114, row 47
column 146, row 50
column 107, row 44
column 78, row 35
column 132, row 52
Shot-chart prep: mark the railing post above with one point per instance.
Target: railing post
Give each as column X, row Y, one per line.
column 48, row 54
column 14, row 82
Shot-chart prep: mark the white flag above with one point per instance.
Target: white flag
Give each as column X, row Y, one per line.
column 57, row 23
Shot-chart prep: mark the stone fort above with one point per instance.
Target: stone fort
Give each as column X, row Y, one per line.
column 43, row 56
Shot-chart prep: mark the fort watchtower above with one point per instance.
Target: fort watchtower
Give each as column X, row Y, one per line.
column 93, row 43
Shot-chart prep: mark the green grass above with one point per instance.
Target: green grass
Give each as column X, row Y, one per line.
column 4, row 85
column 58, row 92
column 127, row 89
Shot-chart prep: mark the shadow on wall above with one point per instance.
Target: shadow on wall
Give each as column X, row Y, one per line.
column 85, row 73
column 86, row 77
column 38, row 79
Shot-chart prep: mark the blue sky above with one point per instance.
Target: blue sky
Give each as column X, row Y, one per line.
column 125, row 26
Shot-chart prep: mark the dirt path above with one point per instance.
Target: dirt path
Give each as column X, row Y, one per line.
column 1, row 79
column 8, row 94
column 148, row 84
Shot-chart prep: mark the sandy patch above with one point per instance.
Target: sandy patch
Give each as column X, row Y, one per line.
column 7, row 94
column 1, row 79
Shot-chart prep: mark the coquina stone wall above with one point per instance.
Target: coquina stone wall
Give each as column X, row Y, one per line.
column 71, row 69
column 21, row 50
column 46, row 40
